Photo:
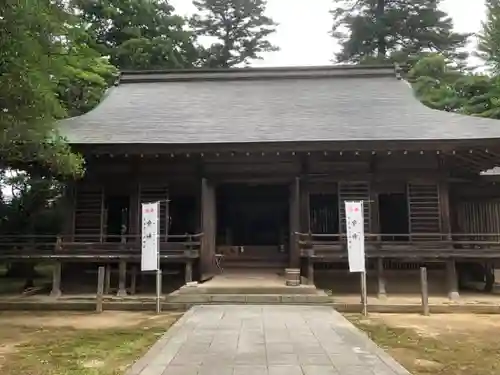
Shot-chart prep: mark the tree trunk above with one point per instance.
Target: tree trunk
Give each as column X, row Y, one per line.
column 381, row 43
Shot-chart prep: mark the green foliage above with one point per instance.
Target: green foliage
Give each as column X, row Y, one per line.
column 30, row 58
column 489, row 37
column 32, row 208
column 440, row 85
column 138, row 34
column 394, row 30
column 240, row 27
column 83, row 75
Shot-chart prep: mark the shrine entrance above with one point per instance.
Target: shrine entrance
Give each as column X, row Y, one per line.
column 253, row 224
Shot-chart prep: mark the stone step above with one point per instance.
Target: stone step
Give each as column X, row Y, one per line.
column 247, row 298
column 272, row 289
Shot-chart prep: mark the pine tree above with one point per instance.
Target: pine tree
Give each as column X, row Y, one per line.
column 240, row 27
column 139, row 34
column 393, row 30
column 489, row 37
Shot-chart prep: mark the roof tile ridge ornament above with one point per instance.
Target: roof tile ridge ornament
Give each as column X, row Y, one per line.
column 257, row 73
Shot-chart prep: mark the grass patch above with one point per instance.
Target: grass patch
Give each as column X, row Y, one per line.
column 65, row 350
column 459, row 353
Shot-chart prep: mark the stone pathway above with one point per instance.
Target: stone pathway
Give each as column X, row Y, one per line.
column 265, row 340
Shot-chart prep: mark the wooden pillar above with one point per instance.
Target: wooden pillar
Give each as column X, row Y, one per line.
column 69, row 209
column 444, row 207
column 104, row 218
column 381, row 281
column 374, row 203
column 122, row 279
column 294, row 212
column 107, row 279
column 305, row 210
column 444, row 197
column 452, row 280
column 135, row 213
column 208, row 221
column 56, row 280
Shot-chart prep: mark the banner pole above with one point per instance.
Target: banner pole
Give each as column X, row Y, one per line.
column 158, row 267
column 364, row 297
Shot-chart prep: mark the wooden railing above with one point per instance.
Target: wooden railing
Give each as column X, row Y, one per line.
column 405, row 246
column 19, row 247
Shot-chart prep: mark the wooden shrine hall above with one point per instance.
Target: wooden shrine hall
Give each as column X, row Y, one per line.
column 253, row 167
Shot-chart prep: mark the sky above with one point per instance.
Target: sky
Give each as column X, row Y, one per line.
column 304, row 25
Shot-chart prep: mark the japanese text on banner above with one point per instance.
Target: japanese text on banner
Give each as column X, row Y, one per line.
column 355, row 236
column 149, row 253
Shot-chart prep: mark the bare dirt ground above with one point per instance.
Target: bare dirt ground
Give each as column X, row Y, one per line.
column 106, row 320
column 442, row 325
column 76, row 343
column 448, row 344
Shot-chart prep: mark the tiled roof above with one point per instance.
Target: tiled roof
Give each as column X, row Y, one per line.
column 337, row 103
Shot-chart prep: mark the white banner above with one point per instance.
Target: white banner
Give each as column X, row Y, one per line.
column 355, row 236
column 150, row 244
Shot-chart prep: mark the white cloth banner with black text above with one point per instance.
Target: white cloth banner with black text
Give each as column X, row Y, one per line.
column 150, row 244
column 355, row 236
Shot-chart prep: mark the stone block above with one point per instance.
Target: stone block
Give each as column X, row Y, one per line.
column 262, row 298
column 227, row 298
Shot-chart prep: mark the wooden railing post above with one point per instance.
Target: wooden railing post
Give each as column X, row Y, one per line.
column 452, row 280
column 381, row 290
column 100, row 289
column 133, row 280
column 424, row 290
column 122, row 279
column 56, row 280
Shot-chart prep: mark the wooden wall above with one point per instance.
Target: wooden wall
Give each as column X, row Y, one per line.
column 346, row 177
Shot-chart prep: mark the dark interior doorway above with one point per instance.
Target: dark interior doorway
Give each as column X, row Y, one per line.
column 252, row 215
column 117, row 208
column 393, row 216
column 183, row 215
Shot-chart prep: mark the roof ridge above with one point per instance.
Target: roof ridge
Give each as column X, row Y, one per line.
column 260, row 73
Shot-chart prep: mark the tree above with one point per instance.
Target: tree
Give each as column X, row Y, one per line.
column 489, row 36
column 240, row 27
column 138, row 34
column 393, row 30
column 84, row 75
column 30, row 60
column 433, row 79
column 440, row 85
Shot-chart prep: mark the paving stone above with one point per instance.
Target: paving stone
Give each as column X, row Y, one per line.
column 153, row 370
column 320, row 370
column 314, row 359
column 283, row 359
column 250, row 370
column 181, row 370
column 216, row 370
column 284, row 370
column 265, row 340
